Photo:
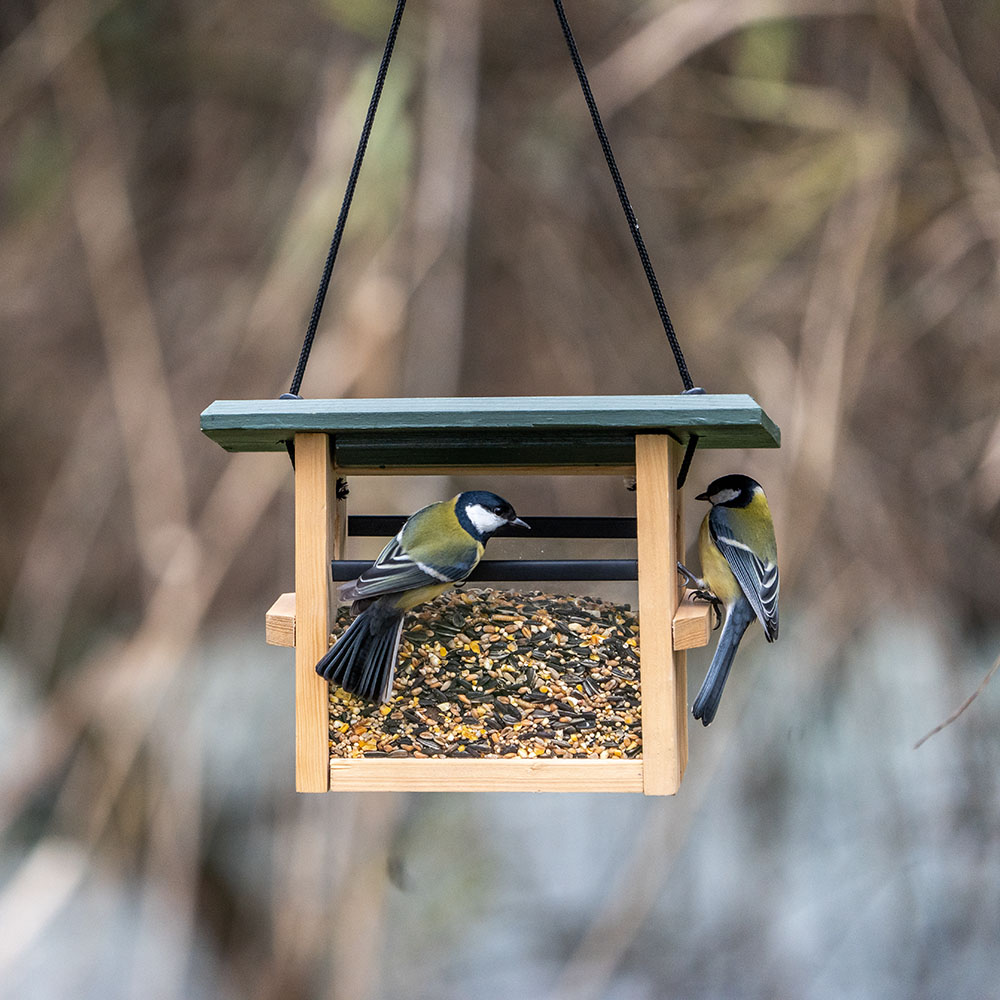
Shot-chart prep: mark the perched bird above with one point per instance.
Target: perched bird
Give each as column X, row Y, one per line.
column 739, row 560
column 436, row 548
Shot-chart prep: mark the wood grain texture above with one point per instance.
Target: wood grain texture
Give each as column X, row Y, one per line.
column 315, row 506
column 279, row 622
column 511, row 774
column 656, row 462
column 692, row 624
column 484, row 432
column 680, row 656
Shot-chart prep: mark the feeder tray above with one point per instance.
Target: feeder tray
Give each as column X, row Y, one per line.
column 618, row 435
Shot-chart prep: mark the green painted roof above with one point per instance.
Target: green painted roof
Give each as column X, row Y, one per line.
column 490, row 430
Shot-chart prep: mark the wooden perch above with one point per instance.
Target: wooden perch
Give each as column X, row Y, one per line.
column 691, row 625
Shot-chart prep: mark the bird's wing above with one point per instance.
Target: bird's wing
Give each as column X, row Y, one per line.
column 394, row 571
column 757, row 577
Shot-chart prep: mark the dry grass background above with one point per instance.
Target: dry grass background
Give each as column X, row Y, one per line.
column 818, row 185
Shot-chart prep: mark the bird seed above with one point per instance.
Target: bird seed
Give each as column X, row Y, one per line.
column 491, row 673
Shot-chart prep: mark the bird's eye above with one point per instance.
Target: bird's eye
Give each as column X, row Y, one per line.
column 498, row 509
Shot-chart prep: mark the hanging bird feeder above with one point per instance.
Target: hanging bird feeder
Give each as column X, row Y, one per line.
column 615, row 435
column 650, row 438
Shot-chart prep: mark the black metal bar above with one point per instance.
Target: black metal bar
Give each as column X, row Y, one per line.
column 520, row 569
column 386, row 525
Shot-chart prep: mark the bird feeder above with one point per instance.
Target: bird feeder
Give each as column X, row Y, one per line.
column 640, row 436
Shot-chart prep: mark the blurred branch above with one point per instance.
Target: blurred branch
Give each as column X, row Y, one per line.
column 356, row 946
column 367, row 304
column 45, row 880
column 673, row 36
column 57, row 29
column 944, row 244
column 966, row 130
column 626, row 905
column 834, row 345
column 442, row 200
column 59, row 549
column 986, row 479
column 312, row 210
column 961, row 708
column 154, row 458
column 171, row 878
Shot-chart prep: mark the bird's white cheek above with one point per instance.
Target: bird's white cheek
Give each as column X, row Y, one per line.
column 484, row 520
column 724, row 496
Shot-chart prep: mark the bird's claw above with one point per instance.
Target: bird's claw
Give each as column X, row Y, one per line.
column 700, row 592
column 717, row 610
column 709, row 598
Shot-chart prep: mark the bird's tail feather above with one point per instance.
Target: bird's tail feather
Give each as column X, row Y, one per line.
column 363, row 660
column 738, row 619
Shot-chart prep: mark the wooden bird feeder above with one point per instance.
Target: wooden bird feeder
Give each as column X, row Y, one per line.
column 640, row 436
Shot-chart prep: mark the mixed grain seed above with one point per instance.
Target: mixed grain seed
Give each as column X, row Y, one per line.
column 491, row 673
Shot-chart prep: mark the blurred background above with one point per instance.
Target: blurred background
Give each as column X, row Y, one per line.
column 818, row 186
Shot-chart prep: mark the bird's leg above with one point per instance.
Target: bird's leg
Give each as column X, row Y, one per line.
column 690, row 580
column 700, row 592
column 709, row 598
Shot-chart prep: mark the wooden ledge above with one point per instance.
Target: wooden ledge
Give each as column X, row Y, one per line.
column 691, row 626
column 487, row 774
column 279, row 622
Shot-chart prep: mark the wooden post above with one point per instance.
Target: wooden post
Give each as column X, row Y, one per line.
column 680, row 655
column 664, row 716
column 315, row 533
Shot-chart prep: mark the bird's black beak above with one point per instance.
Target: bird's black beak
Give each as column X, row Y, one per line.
column 518, row 523
column 702, row 496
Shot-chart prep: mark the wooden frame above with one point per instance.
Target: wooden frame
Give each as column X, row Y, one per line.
column 320, row 534
column 640, row 435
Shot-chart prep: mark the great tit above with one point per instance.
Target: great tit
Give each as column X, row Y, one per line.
column 739, row 560
column 436, row 548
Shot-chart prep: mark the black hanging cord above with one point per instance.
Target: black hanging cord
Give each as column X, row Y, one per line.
column 633, row 225
column 345, row 207
column 616, row 176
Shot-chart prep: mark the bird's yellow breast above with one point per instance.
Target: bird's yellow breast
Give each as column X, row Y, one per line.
column 714, row 568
